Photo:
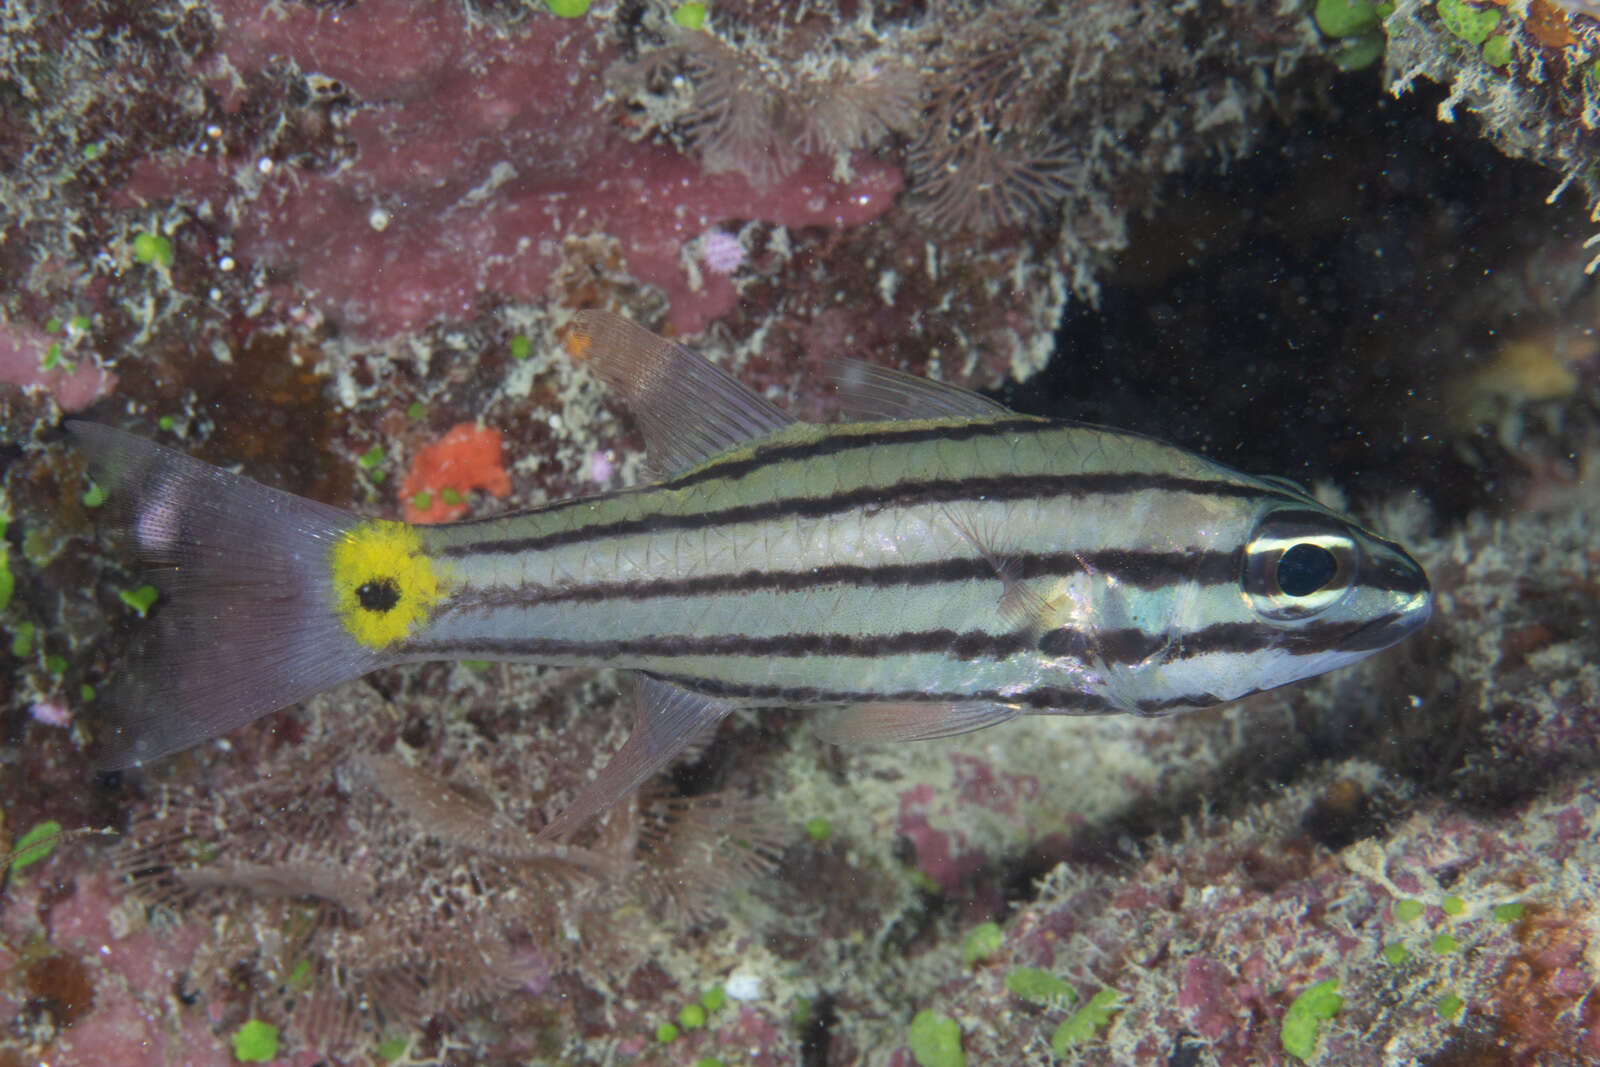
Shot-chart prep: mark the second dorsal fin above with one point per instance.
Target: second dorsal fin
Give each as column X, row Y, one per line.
column 869, row 393
column 687, row 409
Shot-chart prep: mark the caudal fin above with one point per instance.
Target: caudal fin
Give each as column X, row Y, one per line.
column 247, row 622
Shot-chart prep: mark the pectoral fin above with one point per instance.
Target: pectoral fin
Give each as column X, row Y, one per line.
column 1019, row 605
column 666, row 720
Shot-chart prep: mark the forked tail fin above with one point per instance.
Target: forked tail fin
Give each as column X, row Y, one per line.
column 248, row 622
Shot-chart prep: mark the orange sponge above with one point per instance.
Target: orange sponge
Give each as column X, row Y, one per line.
column 468, row 457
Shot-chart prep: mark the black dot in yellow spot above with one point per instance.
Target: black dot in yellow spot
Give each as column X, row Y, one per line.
column 378, row 595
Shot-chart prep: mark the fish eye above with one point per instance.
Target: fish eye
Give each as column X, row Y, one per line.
column 1305, row 568
column 1298, row 563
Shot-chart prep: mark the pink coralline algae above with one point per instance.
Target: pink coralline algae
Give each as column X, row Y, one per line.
column 1453, row 940
column 129, row 975
column 938, row 822
column 25, row 359
column 473, row 157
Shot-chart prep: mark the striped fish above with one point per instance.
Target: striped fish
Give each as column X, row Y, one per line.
column 935, row 565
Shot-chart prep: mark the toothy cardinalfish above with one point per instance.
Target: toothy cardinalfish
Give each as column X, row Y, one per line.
column 936, row 564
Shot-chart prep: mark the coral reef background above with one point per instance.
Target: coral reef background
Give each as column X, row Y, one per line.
column 338, row 244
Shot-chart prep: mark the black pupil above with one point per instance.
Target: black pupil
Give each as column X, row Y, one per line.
column 1304, row 569
column 381, row 594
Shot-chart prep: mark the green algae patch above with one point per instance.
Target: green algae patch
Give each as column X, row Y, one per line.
column 713, row 999
column 1470, row 24
column 981, row 942
column 255, row 1042
column 1033, row 983
column 1083, row 1024
column 1508, row 913
column 300, row 978
column 936, row 1041
column 139, row 599
column 1395, row 954
column 1407, row 910
column 1497, row 50
column 1345, row 18
column 22, row 639
column 1448, row 1006
column 35, row 845
column 1358, row 27
column 152, row 248
column 818, row 828
column 1360, row 52
column 1306, row 1016
column 391, row 1048
column 689, row 16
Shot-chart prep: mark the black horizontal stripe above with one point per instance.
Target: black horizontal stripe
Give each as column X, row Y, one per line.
column 1306, row 639
column 843, row 439
column 1116, row 646
column 964, row 645
column 1042, row 699
column 834, row 442
column 1039, row 698
column 1131, row 645
column 930, row 491
column 1391, row 570
column 1130, row 567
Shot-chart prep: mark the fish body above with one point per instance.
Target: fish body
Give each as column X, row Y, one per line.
column 873, row 562
column 939, row 564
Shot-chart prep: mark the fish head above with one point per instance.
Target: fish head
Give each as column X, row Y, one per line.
column 1325, row 592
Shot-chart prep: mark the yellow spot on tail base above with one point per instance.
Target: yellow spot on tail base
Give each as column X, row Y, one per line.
column 384, row 584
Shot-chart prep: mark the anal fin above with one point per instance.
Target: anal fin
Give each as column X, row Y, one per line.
column 666, row 720
column 879, row 723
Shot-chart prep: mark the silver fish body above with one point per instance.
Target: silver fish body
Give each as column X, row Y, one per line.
column 1006, row 560
column 937, row 564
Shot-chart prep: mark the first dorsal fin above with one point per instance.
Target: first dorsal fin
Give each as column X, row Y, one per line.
column 688, row 409
column 869, row 393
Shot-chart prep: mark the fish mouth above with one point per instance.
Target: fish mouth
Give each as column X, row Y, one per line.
column 1391, row 627
column 1410, row 598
